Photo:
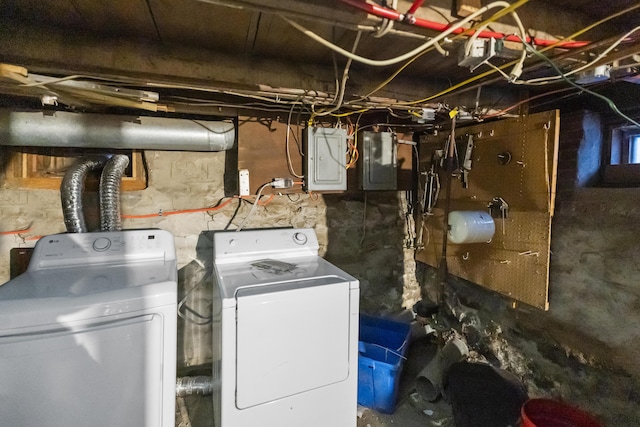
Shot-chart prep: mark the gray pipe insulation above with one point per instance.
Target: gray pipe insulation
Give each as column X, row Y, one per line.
column 63, row 129
column 71, row 193
column 110, row 192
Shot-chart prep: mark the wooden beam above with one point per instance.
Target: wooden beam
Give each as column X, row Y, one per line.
column 143, row 62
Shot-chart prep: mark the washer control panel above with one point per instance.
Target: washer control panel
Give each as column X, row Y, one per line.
column 71, row 249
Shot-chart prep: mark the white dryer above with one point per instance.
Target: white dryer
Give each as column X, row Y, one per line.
column 88, row 332
column 286, row 353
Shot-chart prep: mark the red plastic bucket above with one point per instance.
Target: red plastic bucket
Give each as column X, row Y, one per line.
column 551, row 413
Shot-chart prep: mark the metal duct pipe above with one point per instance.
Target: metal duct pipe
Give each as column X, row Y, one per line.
column 71, row 193
column 110, row 192
column 63, row 129
column 194, row 385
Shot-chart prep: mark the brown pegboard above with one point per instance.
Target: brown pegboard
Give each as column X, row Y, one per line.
column 516, row 261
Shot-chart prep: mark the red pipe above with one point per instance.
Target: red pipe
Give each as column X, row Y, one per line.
column 383, row 12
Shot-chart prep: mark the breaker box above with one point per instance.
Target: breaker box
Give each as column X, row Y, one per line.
column 378, row 162
column 325, row 162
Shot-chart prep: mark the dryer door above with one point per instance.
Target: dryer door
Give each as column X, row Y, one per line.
column 101, row 374
column 291, row 337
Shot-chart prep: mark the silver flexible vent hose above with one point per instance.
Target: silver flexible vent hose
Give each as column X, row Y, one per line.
column 71, row 193
column 201, row 385
column 110, row 193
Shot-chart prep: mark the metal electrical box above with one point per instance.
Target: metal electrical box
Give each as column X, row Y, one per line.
column 379, row 166
column 325, row 159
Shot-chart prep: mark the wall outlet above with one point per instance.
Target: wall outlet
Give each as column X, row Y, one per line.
column 243, row 182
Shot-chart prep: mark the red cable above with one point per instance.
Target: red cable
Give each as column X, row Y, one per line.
column 266, row 202
column 9, row 233
column 168, row 213
column 383, row 12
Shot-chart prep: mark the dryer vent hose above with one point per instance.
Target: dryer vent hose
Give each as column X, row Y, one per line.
column 110, row 192
column 201, row 385
column 71, row 193
column 72, row 188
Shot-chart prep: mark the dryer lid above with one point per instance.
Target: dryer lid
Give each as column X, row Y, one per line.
column 268, row 272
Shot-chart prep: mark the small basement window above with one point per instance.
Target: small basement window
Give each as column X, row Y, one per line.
column 625, row 146
column 44, row 168
column 623, row 168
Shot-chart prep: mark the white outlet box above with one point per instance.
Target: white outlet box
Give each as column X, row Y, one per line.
column 243, row 182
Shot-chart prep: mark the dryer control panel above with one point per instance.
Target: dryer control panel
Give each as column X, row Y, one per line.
column 256, row 244
column 76, row 249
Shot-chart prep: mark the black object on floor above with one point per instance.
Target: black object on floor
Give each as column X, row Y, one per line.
column 484, row 396
column 424, row 308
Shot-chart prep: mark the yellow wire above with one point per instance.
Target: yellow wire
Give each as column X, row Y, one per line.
column 497, row 15
column 395, row 74
column 489, row 72
column 364, row 110
column 493, row 18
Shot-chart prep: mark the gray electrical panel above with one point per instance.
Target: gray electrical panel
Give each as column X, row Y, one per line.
column 379, row 168
column 325, row 162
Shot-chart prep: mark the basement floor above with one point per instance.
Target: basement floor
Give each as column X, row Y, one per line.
column 196, row 411
column 612, row 397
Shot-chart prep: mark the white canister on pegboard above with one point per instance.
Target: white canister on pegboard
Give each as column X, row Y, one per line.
column 470, row 227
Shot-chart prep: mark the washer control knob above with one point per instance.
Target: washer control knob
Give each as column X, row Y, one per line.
column 101, row 244
column 300, row 238
column 232, row 242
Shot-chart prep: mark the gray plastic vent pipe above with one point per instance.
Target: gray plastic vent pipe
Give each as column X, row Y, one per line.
column 63, row 129
column 71, row 190
column 110, row 193
column 430, row 381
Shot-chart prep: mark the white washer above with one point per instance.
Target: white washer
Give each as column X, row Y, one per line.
column 285, row 340
column 88, row 332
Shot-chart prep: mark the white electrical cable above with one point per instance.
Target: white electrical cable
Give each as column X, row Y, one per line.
column 254, row 206
column 289, row 163
column 387, row 24
column 343, row 85
column 546, row 80
column 206, row 319
column 406, row 56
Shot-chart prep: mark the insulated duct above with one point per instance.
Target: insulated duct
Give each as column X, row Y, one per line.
column 63, row 129
column 71, row 191
column 201, row 385
column 110, row 192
